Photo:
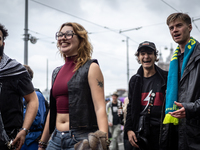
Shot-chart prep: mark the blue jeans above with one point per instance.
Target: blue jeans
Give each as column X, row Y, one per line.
column 67, row 139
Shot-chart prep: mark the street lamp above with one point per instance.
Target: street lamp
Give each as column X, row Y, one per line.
column 127, row 53
column 27, row 36
column 127, row 48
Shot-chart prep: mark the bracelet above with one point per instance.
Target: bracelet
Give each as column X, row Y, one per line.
column 42, row 146
column 42, row 143
column 27, row 131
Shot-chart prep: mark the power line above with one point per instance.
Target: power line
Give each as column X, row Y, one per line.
column 130, row 29
column 154, row 24
column 178, row 11
column 195, row 19
column 80, row 18
column 97, row 32
column 116, row 31
column 40, row 34
column 195, row 24
column 70, row 14
column 169, row 5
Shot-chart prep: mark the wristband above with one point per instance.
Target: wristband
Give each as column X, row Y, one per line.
column 43, row 144
column 27, row 131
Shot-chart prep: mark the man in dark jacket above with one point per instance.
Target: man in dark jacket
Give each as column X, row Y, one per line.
column 146, row 98
column 185, row 64
column 15, row 83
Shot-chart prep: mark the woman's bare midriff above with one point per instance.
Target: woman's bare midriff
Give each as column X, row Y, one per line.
column 62, row 122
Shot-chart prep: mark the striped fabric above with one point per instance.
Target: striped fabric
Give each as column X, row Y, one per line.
column 10, row 67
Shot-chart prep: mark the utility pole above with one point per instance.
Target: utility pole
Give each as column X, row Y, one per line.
column 26, row 35
column 127, row 51
column 127, row 57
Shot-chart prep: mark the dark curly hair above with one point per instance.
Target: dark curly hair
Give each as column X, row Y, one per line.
column 4, row 31
column 155, row 53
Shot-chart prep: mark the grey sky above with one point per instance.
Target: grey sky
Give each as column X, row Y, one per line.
column 107, row 43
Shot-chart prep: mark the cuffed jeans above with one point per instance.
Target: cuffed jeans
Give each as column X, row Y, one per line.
column 115, row 130
column 66, row 140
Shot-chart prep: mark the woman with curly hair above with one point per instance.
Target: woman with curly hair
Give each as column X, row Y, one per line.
column 77, row 105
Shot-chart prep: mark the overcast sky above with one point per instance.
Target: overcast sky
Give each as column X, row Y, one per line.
column 103, row 19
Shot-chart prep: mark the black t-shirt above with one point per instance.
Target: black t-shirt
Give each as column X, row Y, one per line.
column 13, row 89
column 153, row 84
column 115, row 114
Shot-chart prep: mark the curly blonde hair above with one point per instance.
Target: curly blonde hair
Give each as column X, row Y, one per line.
column 85, row 48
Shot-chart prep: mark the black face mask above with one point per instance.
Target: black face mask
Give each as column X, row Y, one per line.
column 1, row 50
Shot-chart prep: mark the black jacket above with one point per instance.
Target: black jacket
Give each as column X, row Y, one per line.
column 81, row 107
column 189, row 96
column 135, row 89
column 188, row 130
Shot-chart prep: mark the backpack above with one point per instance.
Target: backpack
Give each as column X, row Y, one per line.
column 46, row 105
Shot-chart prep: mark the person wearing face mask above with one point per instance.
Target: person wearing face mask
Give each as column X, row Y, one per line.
column 77, row 105
column 15, row 83
column 146, row 98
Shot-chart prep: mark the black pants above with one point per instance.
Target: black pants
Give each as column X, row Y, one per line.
column 154, row 137
column 12, row 134
column 127, row 145
column 3, row 146
column 153, row 140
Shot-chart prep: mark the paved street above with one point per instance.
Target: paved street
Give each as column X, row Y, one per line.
column 121, row 144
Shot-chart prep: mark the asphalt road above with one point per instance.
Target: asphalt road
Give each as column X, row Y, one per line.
column 121, row 146
column 120, row 142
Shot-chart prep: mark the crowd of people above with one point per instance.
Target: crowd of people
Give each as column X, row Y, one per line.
column 161, row 112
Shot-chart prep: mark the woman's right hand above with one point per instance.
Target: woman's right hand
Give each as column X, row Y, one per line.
column 132, row 138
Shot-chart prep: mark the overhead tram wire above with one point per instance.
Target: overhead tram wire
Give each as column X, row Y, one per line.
column 116, row 31
column 80, row 18
column 153, row 24
column 179, row 11
column 73, row 16
column 169, row 5
column 44, row 38
column 40, row 34
column 195, row 24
